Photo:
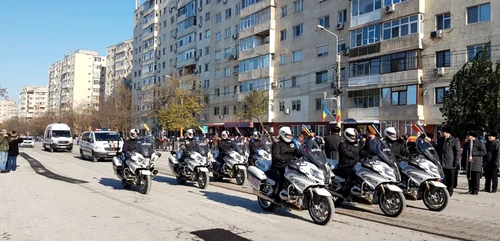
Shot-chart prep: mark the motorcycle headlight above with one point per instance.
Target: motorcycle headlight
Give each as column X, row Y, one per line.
column 317, row 174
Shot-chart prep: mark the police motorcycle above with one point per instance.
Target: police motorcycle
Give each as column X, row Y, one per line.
column 374, row 182
column 235, row 162
column 138, row 168
column 194, row 167
column 264, row 152
column 303, row 187
column 422, row 174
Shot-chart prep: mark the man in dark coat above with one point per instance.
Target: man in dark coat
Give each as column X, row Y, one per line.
column 448, row 149
column 474, row 154
column 491, row 162
column 332, row 143
column 15, row 140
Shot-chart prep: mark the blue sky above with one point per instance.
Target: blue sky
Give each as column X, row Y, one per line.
column 36, row 33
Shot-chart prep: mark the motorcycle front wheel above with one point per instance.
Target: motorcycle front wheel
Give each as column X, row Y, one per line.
column 321, row 209
column 203, row 180
column 436, row 198
column 392, row 204
column 241, row 176
column 145, row 184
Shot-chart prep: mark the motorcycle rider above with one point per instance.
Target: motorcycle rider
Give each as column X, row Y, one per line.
column 255, row 144
column 350, row 153
column 131, row 145
column 397, row 146
column 224, row 145
column 187, row 145
column 283, row 152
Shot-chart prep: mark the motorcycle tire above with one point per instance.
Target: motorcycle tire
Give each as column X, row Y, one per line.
column 145, row 184
column 398, row 196
column 126, row 184
column 338, row 201
column 241, row 176
column 203, row 180
column 321, row 202
column 444, row 195
column 266, row 205
column 180, row 180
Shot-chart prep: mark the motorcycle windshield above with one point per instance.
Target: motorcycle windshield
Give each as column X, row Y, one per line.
column 267, row 144
column 240, row 146
column 146, row 146
column 384, row 153
column 314, row 153
column 429, row 153
column 202, row 148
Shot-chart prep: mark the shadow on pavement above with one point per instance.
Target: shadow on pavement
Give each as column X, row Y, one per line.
column 114, row 183
column 350, row 206
column 218, row 234
column 172, row 181
column 40, row 169
column 251, row 205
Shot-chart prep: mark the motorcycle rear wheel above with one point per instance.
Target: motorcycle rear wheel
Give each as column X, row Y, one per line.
column 266, row 205
column 145, row 184
column 180, row 180
column 126, row 184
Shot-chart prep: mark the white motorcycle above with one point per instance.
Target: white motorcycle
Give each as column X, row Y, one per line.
column 373, row 182
column 421, row 177
column 303, row 185
column 139, row 167
column 235, row 163
column 194, row 167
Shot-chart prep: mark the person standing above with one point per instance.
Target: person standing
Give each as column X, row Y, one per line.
column 4, row 150
column 332, row 143
column 448, row 149
column 474, row 152
column 13, row 151
column 491, row 162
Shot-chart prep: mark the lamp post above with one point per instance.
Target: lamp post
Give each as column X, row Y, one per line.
column 337, row 91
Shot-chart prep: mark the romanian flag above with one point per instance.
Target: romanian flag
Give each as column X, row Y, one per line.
column 417, row 128
column 201, row 128
column 326, row 112
column 146, row 126
column 304, row 129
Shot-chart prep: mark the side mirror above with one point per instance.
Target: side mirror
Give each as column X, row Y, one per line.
column 159, row 154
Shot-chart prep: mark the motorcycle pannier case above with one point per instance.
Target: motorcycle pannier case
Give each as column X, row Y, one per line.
column 255, row 177
column 172, row 162
column 117, row 161
column 263, row 165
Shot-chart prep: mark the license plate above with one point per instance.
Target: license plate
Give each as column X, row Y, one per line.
column 112, row 153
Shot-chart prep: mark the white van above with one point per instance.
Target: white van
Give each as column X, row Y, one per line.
column 57, row 136
column 99, row 145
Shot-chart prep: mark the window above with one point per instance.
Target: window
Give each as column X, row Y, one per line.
column 255, row 63
column 282, row 59
column 475, row 50
column 282, row 83
column 218, row 36
column 216, row 110
column 228, row 33
column 218, row 18
column 295, row 81
column 217, row 92
column 227, row 72
column 297, row 56
column 401, row 27
column 322, row 50
column 246, row 3
column 228, row 13
column 401, row 95
column 207, row 50
column 238, row 8
column 227, row 52
column 296, row 105
column 324, row 21
column 281, row 106
column 321, row 77
column 341, row 46
column 284, row 11
column 283, row 35
column 226, row 90
column 399, row 62
column 360, row 7
column 297, row 30
column 342, row 74
column 255, row 19
column 217, row 74
column 206, row 68
column 389, row 2
column 225, row 110
column 320, row 102
column 480, row 13
column 364, row 67
column 443, row 59
column 440, row 94
column 443, row 21
column 365, row 36
column 342, row 17
column 218, row 55
column 255, row 84
column 298, row 5
column 364, row 98
column 206, row 84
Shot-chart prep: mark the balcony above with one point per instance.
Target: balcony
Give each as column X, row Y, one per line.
column 187, row 46
column 256, row 7
column 401, row 112
column 366, row 18
column 187, row 62
column 254, row 74
column 372, row 113
column 408, row 42
column 362, row 81
column 405, row 9
column 257, row 51
column 259, row 28
column 401, row 78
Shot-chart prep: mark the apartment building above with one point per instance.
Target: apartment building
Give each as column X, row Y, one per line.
column 118, row 68
column 8, row 110
column 33, row 102
column 75, row 81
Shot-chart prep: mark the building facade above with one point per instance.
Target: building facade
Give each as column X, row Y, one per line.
column 33, row 102
column 8, row 110
column 118, row 68
column 75, row 81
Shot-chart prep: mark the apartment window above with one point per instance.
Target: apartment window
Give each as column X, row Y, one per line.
column 228, row 33
column 400, row 95
column 365, row 36
column 322, row 50
column 342, row 16
column 475, row 50
column 443, row 59
column 208, row 2
column 389, row 2
column 324, row 21
column 227, row 52
column 297, row 56
column 401, row 27
column 218, row 36
column 207, row 50
column 282, row 59
column 206, row 68
column 218, row 18
column 443, row 21
column 225, row 110
column 365, row 67
column 364, row 98
column 341, row 46
column 296, row 105
column 217, row 74
column 216, row 110
column 440, row 94
column 208, row 33
column 217, row 92
column 283, row 35
column 227, row 72
column 284, row 11
column 255, row 63
column 281, row 106
column 206, row 84
column 282, row 83
column 479, row 13
column 321, row 77
column 228, row 13
column 360, row 7
column 298, row 5
column 342, row 74
column 226, row 90
column 259, row 17
column 255, row 84
column 298, row 30
column 319, row 103
column 295, row 81
column 207, row 16
column 238, row 8
column 399, row 62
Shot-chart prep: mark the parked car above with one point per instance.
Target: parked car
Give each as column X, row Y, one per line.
column 28, row 141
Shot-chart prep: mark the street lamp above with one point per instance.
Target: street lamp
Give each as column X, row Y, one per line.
column 337, row 91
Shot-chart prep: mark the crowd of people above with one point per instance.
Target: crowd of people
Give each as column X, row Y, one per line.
column 9, row 150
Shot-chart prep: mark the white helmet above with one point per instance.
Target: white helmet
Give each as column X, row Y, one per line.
column 134, row 133
column 390, row 133
column 225, row 135
column 351, row 135
column 256, row 135
column 284, row 132
column 190, row 133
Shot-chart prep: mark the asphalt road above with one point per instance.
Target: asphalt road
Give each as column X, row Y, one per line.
column 57, row 196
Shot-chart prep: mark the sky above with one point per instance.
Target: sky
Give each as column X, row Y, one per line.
column 37, row 33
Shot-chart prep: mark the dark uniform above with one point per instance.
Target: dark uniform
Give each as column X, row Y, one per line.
column 224, row 146
column 448, row 150
column 282, row 154
column 491, row 163
column 398, row 148
column 474, row 168
column 255, row 145
column 332, row 144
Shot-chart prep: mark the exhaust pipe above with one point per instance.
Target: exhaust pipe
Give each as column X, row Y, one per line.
column 259, row 194
column 154, row 173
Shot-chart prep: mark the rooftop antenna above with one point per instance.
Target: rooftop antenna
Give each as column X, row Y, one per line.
column 67, row 52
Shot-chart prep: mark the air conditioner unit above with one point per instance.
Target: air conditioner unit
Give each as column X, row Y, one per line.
column 235, row 36
column 345, row 52
column 175, row 50
column 287, row 111
column 200, row 7
column 234, row 56
column 221, row 117
column 274, row 84
column 224, row 1
column 195, row 71
column 436, row 34
column 200, row 24
column 439, row 71
column 340, row 26
column 390, row 8
column 196, row 57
